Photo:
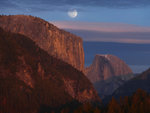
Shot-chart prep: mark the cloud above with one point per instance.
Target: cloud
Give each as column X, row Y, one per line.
column 107, row 32
column 7, row 4
column 36, row 5
column 101, row 27
column 122, row 37
column 63, row 5
column 99, row 3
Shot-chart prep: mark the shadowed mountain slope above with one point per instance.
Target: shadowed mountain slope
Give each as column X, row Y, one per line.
column 29, row 77
column 141, row 81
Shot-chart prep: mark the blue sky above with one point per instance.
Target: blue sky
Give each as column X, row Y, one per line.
column 125, row 14
column 122, row 11
column 125, row 21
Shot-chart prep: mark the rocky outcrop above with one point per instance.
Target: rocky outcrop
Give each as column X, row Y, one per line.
column 38, row 78
column 56, row 42
column 107, row 73
column 105, row 67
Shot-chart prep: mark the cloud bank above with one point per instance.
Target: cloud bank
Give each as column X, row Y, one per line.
column 107, row 32
column 101, row 27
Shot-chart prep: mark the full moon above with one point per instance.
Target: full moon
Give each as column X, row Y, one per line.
column 72, row 13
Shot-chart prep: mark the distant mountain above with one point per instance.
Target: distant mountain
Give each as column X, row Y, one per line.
column 141, row 81
column 107, row 73
column 105, row 67
column 107, row 87
column 30, row 78
column 56, row 42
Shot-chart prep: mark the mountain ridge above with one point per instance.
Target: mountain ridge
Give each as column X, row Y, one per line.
column 56, row 42
column 29, row 72
column 106, row 66
column 139, row 82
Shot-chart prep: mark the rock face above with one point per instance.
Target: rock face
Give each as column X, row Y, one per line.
column 29, row 72
column 56, row 42
column 105, row 67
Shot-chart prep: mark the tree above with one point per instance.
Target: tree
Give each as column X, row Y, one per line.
column 113, row 106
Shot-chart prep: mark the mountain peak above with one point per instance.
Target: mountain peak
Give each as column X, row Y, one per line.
column 106, row 66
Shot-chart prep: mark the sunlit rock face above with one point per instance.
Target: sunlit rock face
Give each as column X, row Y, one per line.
column 51, row 80
column 56, row 42
column 105, row 67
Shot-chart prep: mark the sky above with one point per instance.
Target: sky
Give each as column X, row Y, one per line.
column 124, row 21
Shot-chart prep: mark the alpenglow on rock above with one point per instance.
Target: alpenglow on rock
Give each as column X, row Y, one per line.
column 56, row 42
column 31, row 73
column 106, row 66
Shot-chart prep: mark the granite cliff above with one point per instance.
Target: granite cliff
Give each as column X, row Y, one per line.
column 105, row 67
column 107, row 73
column 31, row 78
column 56, row 42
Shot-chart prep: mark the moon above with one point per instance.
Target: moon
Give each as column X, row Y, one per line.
column 73, row 13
